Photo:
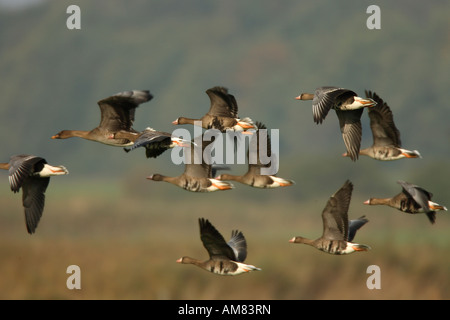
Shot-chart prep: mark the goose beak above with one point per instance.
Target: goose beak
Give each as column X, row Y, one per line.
column 60, row 169
column 367, row 202
column 222, row 185
column 175, row 121
column 181, row 143
column 245, row 125
column 184, row 144
column 411, row 155
column 150, row 177
column 360, row 247
column 366, row 102
column 179, row 260
column 292, row 240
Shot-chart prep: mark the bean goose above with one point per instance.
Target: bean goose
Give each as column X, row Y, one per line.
column 386, row 137
column 32, row 175
column 338, row 232
column 412, row 199
column 348, row 107
column 117, row 113
column 197, row 175
column 253, row 176
column 154, row 142
column 222, row 115
column 225, row 258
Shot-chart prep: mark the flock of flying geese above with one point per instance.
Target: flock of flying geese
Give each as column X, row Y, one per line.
column 32, row 173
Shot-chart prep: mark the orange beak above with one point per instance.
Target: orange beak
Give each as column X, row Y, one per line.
column 245, row 125
column 181, row 143
column 357, row 248
column 222, row 186
column 409, row 155
column 366, row 102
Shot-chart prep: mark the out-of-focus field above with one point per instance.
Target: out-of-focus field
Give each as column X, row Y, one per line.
column 126, row 246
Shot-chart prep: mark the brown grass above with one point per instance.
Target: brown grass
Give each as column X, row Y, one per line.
column 126, row 248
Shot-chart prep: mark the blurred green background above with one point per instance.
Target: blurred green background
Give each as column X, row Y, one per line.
column 126, row 232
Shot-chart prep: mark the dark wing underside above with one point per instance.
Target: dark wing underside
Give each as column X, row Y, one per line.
column 223, row 104
column 214, row 242
column 351, row 129
column 260, row 143
column 354, row 225
column 325, row 98
column 420, row 195
column 117, row 111
column 384, row 131
column 198, row 162
column 154, row 142
column 33, row 200
column 334, row 215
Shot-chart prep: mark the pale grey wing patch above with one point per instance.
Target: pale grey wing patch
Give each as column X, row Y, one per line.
column 354, row 225
column 420, row 195
column 21, row 167
column 239, row 245
column 321, row 105
column 136, row 97
column 351, row 129
column 130, row 99
column 155, row 143
column 352, row 139
column 17, row 178
column 325, row 98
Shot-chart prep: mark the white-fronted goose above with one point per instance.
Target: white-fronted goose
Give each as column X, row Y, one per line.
column 32, row 174
column 253, row 176
column 154, row 142
column 386, row 137
column 225, row 258
column 197, row 177
column 222, row 115
column 413, row 199
column 117, row 113
column 348, row 107
column 338, row 232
